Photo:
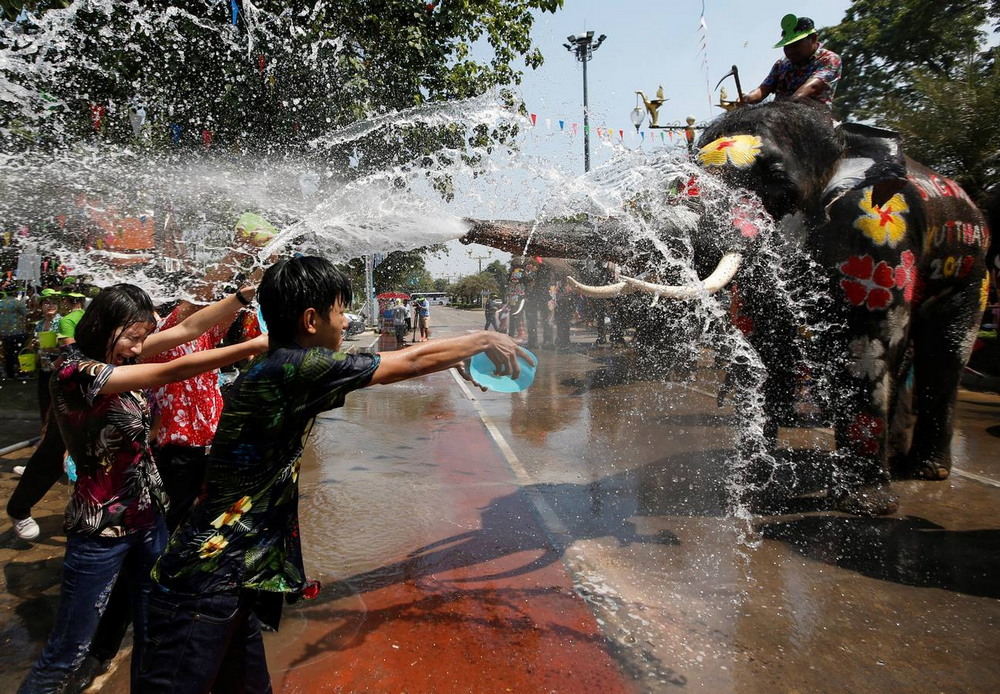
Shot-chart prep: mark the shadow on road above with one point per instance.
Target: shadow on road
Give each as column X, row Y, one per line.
column 911, row 551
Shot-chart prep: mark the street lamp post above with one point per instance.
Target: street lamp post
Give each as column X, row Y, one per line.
column 583, row 46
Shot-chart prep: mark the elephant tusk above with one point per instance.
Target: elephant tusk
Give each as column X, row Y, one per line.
column 520, row 307
column 720, row 277
column 606, row 292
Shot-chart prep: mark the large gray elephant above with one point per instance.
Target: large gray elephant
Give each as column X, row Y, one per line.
column 893, row 251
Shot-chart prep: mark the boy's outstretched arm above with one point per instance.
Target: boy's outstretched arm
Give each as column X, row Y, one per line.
column 439, row 355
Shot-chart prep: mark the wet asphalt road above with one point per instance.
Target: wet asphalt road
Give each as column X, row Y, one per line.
column 574, row 538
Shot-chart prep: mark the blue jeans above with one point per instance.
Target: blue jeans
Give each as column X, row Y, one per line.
column 90, row 568
column 203, row 643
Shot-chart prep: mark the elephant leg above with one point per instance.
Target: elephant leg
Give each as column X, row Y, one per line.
column 531, row 321
column 548, row 321
column 942, row 341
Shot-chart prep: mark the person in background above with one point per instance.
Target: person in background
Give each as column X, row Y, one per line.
column 13, row 330
column 399, row 322
column 114, row 520
column 492, row 306
column 46, row 345
column 808, row 71
column 423, row 310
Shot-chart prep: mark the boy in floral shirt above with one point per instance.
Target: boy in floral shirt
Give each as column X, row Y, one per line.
column 229, row 566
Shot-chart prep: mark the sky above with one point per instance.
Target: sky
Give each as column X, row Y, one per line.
column 648, row 45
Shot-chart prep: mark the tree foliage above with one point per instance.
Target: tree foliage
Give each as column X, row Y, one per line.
column 470, row 289
column 283, row 73
column 925, row 70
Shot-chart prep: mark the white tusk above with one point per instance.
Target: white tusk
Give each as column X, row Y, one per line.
column 520, row 307
column 605, row 292
column 723, row 275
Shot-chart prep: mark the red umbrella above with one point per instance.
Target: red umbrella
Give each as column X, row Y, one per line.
column 392, row 295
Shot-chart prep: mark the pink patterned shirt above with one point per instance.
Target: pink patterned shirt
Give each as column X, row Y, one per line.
column 189, row 410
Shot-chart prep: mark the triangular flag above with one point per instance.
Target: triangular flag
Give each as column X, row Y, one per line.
column 574, row 128
column 621, row 134
column 548, row 124
column 670, row 133
column 598, row 132
column 586, row 130
column 561, row 124
column 534, row 119
column 661, row 136
column 643, row 133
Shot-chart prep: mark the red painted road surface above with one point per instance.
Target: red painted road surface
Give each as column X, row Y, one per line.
column 487, row 609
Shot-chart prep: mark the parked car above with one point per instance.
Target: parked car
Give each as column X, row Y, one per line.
column 356, row 324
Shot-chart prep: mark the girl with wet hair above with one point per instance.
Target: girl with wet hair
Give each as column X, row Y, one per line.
column 115, row 518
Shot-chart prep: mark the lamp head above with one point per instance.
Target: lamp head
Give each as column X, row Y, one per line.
column 637, row 116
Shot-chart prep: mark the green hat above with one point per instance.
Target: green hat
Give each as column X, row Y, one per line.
column 794, row 29
column 47, row 292
column 75, row 295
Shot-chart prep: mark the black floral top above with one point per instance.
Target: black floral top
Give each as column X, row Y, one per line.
column 118, row 489
column 243, row 532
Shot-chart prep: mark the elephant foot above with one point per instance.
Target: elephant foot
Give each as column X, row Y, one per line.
column 910, row 467
column 870, row 501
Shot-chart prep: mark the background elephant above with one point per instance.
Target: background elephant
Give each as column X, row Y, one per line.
column 885, row 257
column 537, row 293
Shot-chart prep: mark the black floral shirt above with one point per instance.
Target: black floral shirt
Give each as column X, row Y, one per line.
column 243, row 531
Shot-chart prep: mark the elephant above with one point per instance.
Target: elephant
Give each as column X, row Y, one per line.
column 893, row 252
column 537, row 291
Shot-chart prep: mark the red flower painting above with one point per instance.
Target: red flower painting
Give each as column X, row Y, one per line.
column 869, row 283
column 864, row 433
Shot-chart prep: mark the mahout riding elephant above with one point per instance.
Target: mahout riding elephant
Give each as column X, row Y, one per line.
column 893, row 251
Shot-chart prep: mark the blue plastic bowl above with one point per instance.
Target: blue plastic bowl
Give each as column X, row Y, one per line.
column 482, row 371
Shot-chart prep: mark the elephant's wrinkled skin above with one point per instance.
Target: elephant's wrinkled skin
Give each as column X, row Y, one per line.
column 898, row 254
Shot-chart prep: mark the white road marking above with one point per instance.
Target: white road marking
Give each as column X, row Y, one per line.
column 550, row 521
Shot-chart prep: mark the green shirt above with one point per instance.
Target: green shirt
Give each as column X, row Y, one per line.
column 67, row 325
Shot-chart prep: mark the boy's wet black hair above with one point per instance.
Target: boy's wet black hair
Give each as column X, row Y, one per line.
column 113, row 311
column 292, row 285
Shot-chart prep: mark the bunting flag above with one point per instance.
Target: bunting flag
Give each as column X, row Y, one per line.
column 621, row 135
column 598, row 132
column 548, row 124
column 534, row 119
column 574, row 128
column 562, row 124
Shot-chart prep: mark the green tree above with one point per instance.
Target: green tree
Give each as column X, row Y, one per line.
column 283, row 73
column 470, row 289
column 441, row 284
column 500, row 273
column 921, row 68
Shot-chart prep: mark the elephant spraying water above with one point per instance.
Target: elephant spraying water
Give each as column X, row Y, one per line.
column 895, row 255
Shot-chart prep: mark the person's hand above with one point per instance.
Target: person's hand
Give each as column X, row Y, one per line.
column 503, row 352
column 463, row 370
column 249, row 291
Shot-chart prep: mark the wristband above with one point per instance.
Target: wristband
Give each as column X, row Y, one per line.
column 242, row 299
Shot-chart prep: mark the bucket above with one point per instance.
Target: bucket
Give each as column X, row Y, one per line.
column 27, row 361
column 47, row 339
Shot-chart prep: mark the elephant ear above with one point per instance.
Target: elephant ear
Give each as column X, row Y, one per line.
column 872, row 158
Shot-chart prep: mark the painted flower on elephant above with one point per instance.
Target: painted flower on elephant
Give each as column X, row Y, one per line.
column 869, row 358
column 883, row 224
column 212, row 546
column 234, row 514
column 984, row 294
column 869, row 283
column 737, row 150
column 864, row 433
column 896, row 323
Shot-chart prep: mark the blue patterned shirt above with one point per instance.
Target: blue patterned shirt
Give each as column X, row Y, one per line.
column 243, row 531
column 785, row 77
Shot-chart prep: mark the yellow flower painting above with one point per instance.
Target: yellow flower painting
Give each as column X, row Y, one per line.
column 885, row 224
column 738, row 150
